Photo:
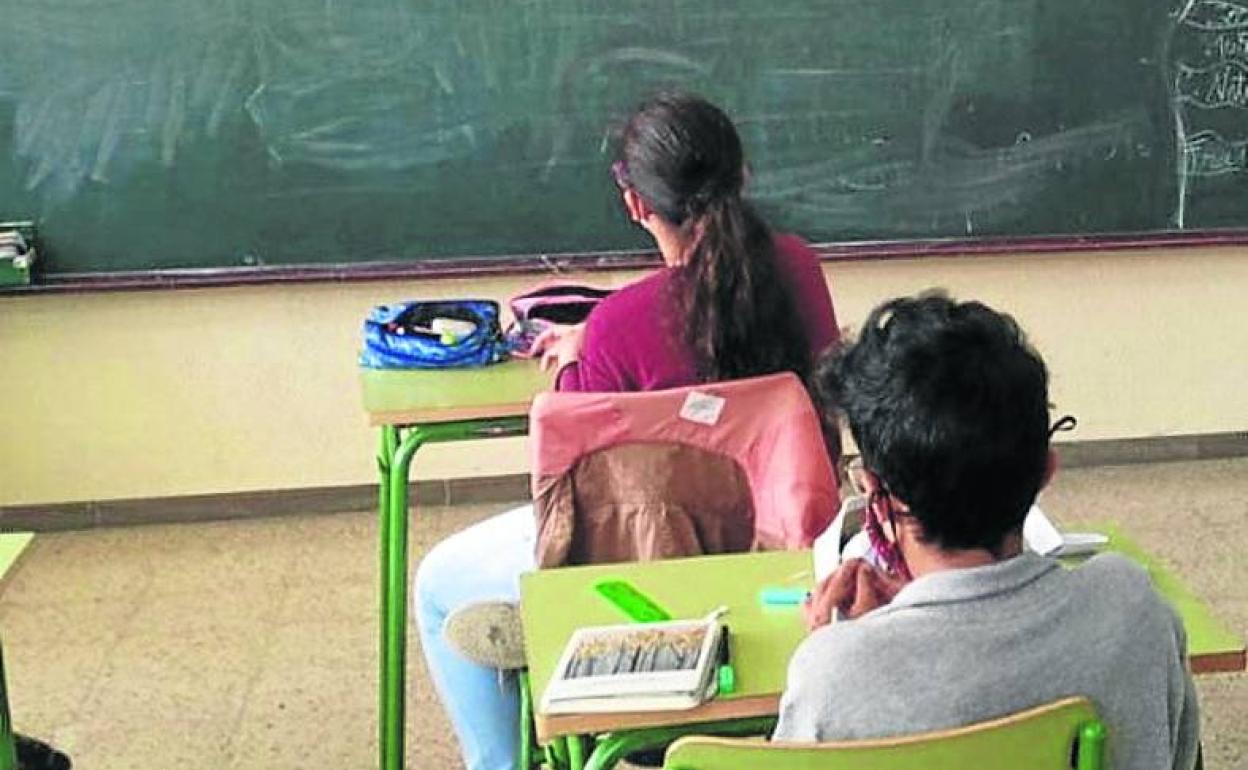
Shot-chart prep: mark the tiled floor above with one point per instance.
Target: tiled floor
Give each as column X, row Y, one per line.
column 252, row 644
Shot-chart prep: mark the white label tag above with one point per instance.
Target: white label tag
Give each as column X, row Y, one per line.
column 702, row 408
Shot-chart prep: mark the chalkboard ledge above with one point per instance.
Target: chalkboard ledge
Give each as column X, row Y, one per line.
column 461, row 267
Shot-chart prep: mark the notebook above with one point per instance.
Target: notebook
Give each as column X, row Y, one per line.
column 664, row 666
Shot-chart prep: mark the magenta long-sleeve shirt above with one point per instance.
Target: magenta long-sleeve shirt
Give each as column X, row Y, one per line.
column 632, row 340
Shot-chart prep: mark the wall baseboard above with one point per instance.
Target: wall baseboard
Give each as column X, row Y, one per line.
column 1155, row 449
column 498, row 489
column 244, row 505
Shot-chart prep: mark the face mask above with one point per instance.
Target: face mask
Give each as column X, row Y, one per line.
column 889, row 554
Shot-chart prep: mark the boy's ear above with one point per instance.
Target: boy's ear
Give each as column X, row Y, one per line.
column 1050, row 468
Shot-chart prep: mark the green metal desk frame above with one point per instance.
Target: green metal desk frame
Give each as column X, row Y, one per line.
column 415, row 408
column 394, row 460
column 603, row 752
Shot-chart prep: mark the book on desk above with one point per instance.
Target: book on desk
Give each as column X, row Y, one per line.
column 663, row 666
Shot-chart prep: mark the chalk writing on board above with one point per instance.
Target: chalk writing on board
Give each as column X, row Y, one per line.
column 1209, row 70
column 1215, row 16
column 1225, row 45
column 1208, row 154
column 1223, row 85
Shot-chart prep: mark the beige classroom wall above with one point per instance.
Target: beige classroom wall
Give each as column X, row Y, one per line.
column 153, row 394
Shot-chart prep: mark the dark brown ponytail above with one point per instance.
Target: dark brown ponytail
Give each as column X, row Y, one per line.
column 739, row 313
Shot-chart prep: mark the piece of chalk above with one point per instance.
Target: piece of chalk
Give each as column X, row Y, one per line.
column 783, row 595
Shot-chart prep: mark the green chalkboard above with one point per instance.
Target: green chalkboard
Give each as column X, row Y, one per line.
column 154, row 134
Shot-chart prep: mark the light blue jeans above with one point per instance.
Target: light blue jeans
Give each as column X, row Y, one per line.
column 482, row 562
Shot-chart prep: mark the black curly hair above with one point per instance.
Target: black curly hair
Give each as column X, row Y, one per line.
column 948, row 404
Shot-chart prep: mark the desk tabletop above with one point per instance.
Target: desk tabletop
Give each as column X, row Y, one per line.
column 1211, row 645
column 12, row 544
column 762, row 639
column 557, row 602
column 421, row 396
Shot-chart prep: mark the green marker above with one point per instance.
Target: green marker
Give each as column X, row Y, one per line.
column 633, row 603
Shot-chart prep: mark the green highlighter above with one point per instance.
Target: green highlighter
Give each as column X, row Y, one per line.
column 633, row 603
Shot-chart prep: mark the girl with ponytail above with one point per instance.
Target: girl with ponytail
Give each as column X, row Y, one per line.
column 733, row 301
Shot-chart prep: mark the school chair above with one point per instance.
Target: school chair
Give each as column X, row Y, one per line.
column 714, row 468
column 1063, row 735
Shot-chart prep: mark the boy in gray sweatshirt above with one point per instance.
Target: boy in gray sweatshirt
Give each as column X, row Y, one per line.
column 948, row 405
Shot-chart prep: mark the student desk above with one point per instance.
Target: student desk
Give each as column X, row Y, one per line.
column 12, row 544
column 557, row 602
column 1211, row 646
column 414, row 408
column 554, row 603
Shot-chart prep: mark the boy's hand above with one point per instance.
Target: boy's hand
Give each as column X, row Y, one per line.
column 853, row 590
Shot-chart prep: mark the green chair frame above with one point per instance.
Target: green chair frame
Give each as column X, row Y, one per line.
column 1057, row 736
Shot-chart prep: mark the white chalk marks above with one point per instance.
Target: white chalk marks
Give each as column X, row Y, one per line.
column 1215, row 16
column 1208, row 154
column 100, row 90
column 954, row 181
column 447, row 127
column 1223, row 85
column 105, row 93
column 1210, row 71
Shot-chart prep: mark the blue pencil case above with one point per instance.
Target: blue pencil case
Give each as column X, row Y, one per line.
column 433, row 335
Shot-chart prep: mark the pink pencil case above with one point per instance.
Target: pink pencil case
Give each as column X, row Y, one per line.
column 550, row 303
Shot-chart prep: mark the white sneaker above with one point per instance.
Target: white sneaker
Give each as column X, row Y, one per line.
column 487, row 633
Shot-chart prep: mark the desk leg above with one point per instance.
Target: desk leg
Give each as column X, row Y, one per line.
column 388, row 440
column 400, row 450
column 528, row 741
column 576, row 752
column 394, row 460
